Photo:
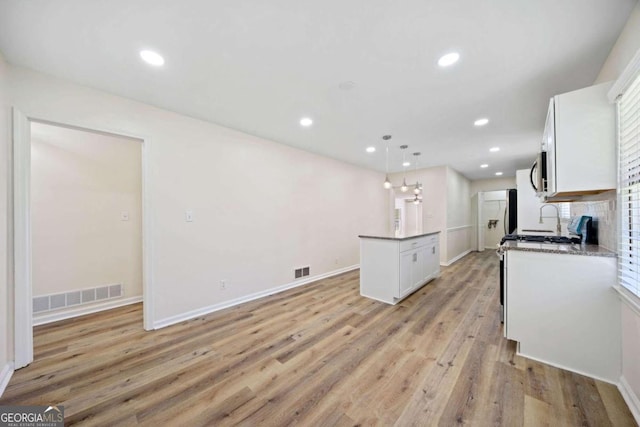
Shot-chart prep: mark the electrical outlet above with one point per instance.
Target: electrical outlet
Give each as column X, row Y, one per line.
column 188, row 216
column 223, row 284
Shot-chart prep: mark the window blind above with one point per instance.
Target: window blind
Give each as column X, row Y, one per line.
column 629, row 187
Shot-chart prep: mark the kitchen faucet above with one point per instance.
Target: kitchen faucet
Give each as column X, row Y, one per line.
column 558, row 226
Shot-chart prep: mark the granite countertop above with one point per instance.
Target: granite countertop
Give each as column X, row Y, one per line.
column 556, row 248
column 398, row 238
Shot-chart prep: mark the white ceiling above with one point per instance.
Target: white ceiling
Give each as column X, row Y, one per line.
column 259, row 66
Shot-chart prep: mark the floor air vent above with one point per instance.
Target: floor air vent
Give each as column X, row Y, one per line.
column 70, row 299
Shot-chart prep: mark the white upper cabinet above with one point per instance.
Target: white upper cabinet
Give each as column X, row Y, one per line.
column 579, row 139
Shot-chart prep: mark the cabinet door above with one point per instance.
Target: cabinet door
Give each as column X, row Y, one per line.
column 436, row 260
column 432, row 263
column 406, row 267
column 585, row 132
column 418, row 267
column 549, row 145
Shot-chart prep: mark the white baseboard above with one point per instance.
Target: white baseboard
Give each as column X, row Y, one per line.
column 5, row 376
column 49, row 317
column 630, row 398
column 451, row 261
column 566, row 368
column 226, row 304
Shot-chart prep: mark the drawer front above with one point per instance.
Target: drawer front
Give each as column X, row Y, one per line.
column 408, row 245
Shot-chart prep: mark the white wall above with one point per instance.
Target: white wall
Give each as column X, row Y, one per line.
column 626, row 46
column 458, row 207
column 459, row 227
column 81, row 182
column 446, row 207
column 631, row 350
column 434, row 196
column 491, row 184
column 6, row 293
column 261, row 208
column 434, row 200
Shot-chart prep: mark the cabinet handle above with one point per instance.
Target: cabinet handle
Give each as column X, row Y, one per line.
column 533, row 168
column 433, row 250
column 415, row 257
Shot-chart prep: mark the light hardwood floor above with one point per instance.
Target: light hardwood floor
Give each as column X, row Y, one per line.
column 318, row 355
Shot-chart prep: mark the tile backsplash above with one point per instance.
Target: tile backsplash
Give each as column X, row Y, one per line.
column 605, row 213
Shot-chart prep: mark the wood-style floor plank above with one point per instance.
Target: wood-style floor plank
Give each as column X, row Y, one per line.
column 315, row 355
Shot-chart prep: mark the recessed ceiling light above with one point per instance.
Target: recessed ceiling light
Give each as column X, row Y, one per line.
column 494, row 149
column 481, row 122
column 371, row 149
column 498, row 173
column 448, row 59
column 347, row 85
column 484, row 166
column 152, row 58
column 306, row 121
column 405, row 164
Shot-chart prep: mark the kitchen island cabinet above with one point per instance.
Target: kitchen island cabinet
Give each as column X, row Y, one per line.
column 561, row 308
column 391, row 268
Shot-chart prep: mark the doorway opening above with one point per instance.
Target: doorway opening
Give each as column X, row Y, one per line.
column 81, row 230
column 493, row 214
column 407, row 215
column 86, row 222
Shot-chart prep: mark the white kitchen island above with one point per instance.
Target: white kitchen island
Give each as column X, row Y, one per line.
column 391, row 268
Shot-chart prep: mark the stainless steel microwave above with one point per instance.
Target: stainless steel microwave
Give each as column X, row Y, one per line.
column 538, row 174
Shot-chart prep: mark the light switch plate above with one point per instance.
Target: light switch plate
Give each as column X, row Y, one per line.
column 188, row 216
column 124, row 216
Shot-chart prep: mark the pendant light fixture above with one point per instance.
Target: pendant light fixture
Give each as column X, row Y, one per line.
column 404, row 187
column 387, row 182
